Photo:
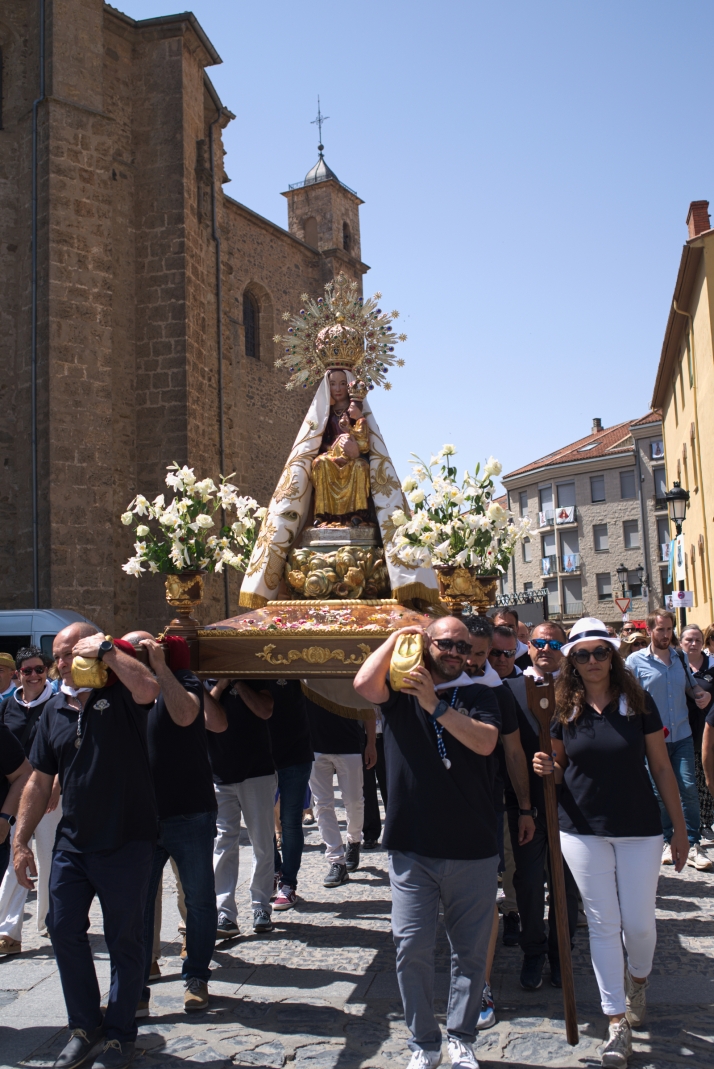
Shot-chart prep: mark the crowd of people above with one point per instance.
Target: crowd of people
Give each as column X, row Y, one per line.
column 104, row 781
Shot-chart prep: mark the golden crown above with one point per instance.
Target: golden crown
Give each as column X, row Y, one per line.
column 342, row 330
column 357, row 390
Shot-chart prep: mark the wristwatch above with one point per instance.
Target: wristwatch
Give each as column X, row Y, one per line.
column 528, row 812
column 442, row 707
column 8, row 818
column 105, row 647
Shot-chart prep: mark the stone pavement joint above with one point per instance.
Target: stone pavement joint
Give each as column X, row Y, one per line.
column 320, row 991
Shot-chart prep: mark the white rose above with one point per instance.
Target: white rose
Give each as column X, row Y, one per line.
column 448, row 450
column 493, row 467
column 142, row 530
column 204, row 521
column 261, row 513
column 409, row 483
column 126, row 518
column 496, row 513
column 398, row 518
column 416, row 497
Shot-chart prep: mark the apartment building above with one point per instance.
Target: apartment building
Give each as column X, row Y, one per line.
column 595, row 505
column 684, row 390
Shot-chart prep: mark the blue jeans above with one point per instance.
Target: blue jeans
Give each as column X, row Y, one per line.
column 189, row 841
column 120, row 879
column 681, row 754
column 292, row 784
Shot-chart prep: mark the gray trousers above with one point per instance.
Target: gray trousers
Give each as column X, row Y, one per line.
column 467, row 890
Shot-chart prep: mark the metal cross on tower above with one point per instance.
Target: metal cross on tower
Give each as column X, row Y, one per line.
column 318, row 122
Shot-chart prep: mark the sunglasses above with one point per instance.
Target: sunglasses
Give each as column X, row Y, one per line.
column 503, row 653
column 33, row 669
column 541, row 643
column 601, row 653
column 446, row 644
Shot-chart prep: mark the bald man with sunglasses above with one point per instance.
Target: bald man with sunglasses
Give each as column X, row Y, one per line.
column 440, row 732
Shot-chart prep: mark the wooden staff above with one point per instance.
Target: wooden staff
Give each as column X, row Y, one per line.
column 541, row 702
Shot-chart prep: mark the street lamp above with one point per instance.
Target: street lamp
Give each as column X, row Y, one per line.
column 622, row 578
column 677, row 500
column 640, row 576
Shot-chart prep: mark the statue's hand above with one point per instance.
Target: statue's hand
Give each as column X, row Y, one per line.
column 349, row 446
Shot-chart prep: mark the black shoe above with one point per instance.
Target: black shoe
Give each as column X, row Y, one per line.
column 352, row 857
column 556, row 979
column 532, row 971
column 226, row 928
column 511, row 929
column 114, row 1055
column 80, row 1046
column 370, row 844
column 262, row 921
column 338, row 874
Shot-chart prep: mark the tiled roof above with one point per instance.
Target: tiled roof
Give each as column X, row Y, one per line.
column 607, row 441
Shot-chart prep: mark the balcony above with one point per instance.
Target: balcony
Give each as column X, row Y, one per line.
column 570, row 563
column 546, row 518
column 558, row 517
column 549, row 565
column 573, row 610
column 664, row 552
column 660, row 503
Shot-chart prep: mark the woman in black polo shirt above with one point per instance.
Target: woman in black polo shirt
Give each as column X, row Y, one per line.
column 604, row 727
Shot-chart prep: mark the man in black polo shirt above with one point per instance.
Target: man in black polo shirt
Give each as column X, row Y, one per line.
column 292, row 755
column 439, row 735
column 95, row 740
column 186, row 801
column 245, row 783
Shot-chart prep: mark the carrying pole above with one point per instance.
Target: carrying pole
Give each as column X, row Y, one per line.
column 541, row 702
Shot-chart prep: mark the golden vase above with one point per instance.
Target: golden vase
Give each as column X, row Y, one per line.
column 459, row 586
column 183, row 593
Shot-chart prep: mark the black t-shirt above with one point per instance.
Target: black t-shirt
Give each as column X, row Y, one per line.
column 331, row 733
column 244, row 750
column 530, row 741
column 289, row 727
column 509, row 724
column 11, row 757
column 697, row 716
column 107, row 790
column 434, row 811
column 178, row 756
column 17, row 717
column 606, row 787
column 523, row 662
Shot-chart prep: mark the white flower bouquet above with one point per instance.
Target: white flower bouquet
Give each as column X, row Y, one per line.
column 178, row 539
column 454, row 523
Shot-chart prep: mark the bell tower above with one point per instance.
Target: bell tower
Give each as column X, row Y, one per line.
column 324, row 213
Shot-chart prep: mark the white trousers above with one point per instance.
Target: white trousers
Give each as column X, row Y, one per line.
column 617, row 880
column 254, row 798
column 13, row 896
column 350, row 778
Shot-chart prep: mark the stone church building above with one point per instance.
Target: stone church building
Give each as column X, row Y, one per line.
column 138, row 301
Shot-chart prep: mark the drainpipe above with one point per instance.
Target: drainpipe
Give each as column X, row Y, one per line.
column 33, row 331
column 697, row 448
column 645, row 529
column 219, row 331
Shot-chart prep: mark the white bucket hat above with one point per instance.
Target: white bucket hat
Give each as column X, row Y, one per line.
column 586, row 630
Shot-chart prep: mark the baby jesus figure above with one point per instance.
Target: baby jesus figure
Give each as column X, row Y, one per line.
column 340, row 474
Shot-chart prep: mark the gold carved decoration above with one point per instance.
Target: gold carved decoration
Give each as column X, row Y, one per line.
column 315, row 655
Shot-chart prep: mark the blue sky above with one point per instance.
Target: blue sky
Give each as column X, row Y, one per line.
column 526, row 170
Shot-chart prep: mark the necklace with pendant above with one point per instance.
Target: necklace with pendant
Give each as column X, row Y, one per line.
column 440, row 744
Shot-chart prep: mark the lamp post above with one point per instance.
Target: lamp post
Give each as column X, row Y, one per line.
column 677, row 500
column 622, row 578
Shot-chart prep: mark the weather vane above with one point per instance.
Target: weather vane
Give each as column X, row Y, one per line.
column 318, row 122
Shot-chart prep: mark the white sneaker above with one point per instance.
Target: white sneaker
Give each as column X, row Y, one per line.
column 618, row 1047
column 667, row 855
column 425, row 1059
column 462, row 1055
column 697, row 859
column 635, row 1000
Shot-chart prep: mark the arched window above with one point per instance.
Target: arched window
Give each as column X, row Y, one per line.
column 346, row 237
column 310, row 231
column 251, row 316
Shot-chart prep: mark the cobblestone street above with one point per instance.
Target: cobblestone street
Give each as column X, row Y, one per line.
column 321, row 989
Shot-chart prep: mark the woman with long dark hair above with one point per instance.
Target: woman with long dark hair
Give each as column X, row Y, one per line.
column 604, row 728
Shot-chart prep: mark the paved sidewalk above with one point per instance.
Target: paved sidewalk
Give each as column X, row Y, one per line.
column 321, row 990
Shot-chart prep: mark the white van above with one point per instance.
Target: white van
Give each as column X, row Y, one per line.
column 34, row 627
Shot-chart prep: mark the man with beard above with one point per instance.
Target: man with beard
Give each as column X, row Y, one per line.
column 440, row 731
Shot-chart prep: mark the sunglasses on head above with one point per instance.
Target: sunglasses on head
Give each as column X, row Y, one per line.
column 600, row 653
column 33, row 668
column 445, row 644
column 503, row 653
column 541, row 643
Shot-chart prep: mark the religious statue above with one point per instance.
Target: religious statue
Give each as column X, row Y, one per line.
column 340, row 471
